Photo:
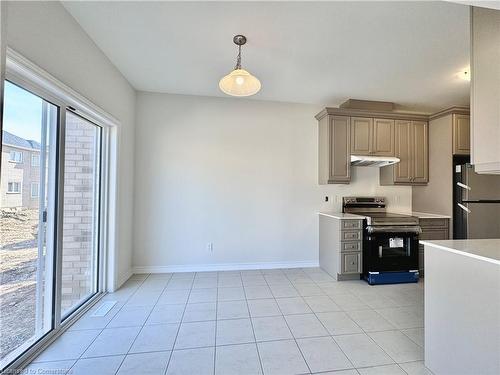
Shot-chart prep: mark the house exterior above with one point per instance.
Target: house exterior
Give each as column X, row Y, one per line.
column 20, row 181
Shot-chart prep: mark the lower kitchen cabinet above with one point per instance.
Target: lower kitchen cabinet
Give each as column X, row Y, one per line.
column 432, row 229
column 351, row 263
column 340, row 247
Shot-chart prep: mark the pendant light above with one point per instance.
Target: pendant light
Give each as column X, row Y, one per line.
column 239, row 82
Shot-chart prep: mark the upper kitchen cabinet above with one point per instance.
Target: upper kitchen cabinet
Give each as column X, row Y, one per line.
column 361, row 135
column 402, row 172
column 334, row 150
column 412, row 148
column 461, row 134
column 383, row 137
column 367, row 128
column 372, row 136
column 485, row 90
column 419, row 152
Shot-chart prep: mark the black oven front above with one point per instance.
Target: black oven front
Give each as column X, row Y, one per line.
column 387, row 249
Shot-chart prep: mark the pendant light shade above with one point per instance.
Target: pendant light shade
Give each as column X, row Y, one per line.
column 239, row 82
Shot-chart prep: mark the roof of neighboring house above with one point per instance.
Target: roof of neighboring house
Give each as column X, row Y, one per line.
column 13, row 140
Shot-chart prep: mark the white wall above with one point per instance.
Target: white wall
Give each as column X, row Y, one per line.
column 239, row 173
column 48, row 36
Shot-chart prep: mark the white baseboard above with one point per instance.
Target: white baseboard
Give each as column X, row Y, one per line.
column 223, row 267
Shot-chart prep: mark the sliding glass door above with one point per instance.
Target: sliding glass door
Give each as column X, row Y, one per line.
column 27, row 213
column 50, row 217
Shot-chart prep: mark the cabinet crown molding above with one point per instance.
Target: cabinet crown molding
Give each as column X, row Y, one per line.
column 370, row 113
column 415, row 116
column 456, row 109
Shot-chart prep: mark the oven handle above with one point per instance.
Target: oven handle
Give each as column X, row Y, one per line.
column 394, row 229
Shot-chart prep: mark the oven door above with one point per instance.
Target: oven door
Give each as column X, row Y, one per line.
column 385, row 251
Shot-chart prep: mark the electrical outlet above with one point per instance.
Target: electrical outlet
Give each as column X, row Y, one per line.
column 210, row 247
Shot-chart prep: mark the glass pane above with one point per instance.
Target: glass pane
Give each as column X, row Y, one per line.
column 27, row 194
column 81, row 212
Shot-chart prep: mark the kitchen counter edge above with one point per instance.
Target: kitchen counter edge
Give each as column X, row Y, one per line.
column 483, row 249
column 341, row 215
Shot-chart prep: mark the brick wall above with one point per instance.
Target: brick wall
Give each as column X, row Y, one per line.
column 78, row 227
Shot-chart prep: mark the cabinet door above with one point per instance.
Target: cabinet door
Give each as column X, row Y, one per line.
column 383, row 137
column 403, row 145
column 340, row 158
column 351, row 263
column 461, row 134
column 420, row 152
column 361, row 135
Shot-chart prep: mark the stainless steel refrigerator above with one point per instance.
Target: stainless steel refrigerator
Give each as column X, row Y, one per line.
column 476, row 212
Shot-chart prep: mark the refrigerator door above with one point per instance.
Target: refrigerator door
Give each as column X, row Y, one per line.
column 479, row 186
column 483, row 220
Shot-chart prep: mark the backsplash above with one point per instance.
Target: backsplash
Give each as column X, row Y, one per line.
column 365, row 182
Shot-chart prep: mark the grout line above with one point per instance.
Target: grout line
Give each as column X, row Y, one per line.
column 180, row 323
column 216, row 308
column 294, row 339
column 253, row 330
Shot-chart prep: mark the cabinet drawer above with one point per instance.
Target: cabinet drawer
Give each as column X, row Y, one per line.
column 351, row 224
column 433, row 223
column 350, row 246
column 351, row 235
column 434, row 234
column 351, row 263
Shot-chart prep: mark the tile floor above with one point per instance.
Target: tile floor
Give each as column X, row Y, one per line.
column 288, row 321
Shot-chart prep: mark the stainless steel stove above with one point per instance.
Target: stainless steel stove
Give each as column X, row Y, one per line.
column 390, row 241
column 374, row 210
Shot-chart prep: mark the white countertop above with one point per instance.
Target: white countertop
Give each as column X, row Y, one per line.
column 420, row 215
column 341, row 215
column 425, row 215
column 487, row 249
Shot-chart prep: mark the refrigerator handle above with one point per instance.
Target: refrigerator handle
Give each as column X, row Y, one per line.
column 463, row 208
column 463, row 186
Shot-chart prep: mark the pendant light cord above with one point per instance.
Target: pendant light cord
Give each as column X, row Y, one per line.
column 238, row 59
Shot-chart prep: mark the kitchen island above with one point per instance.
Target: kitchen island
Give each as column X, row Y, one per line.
column 462, row 306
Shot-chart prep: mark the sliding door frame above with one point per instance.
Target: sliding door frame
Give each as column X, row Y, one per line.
column 30, row 77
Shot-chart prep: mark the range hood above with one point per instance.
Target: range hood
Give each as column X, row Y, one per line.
column 373, row 161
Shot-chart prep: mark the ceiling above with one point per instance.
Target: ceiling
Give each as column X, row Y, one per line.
column 306, row 52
